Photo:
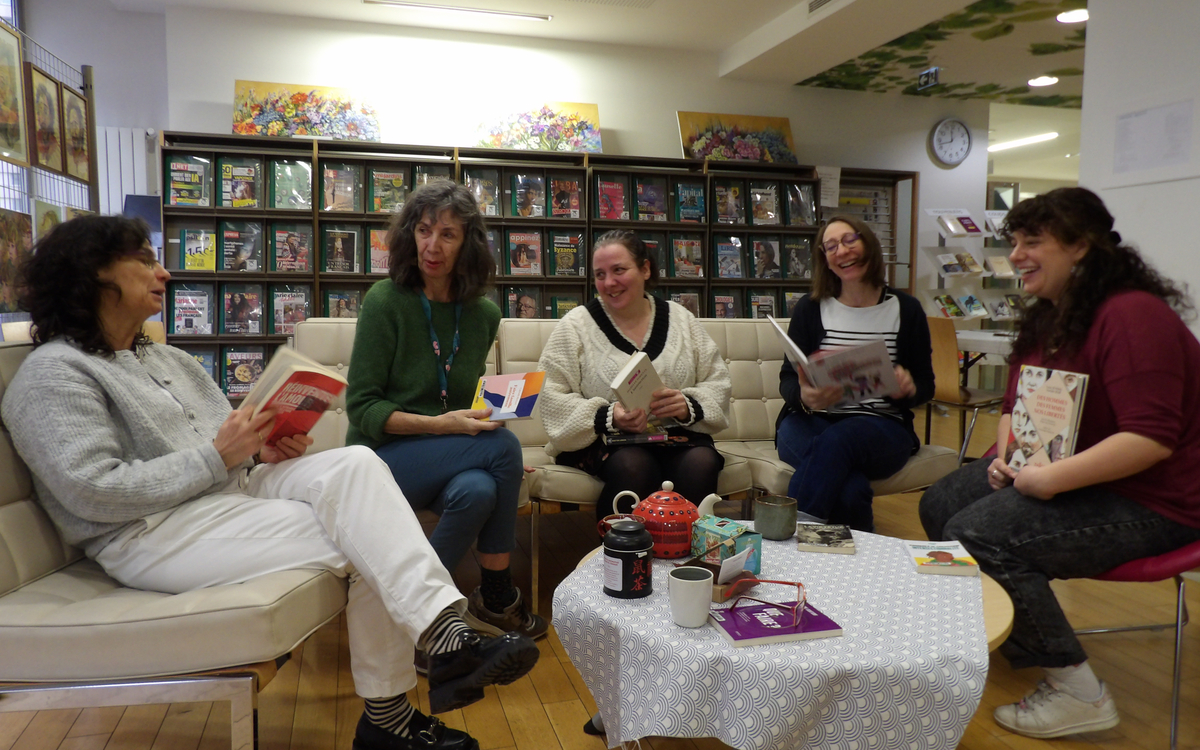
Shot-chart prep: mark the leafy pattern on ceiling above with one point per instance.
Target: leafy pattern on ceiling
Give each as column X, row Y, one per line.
column 988, row 50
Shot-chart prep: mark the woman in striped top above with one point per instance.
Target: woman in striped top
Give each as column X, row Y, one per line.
column 837, row 448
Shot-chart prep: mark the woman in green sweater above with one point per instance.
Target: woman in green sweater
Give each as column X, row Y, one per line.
column 421, row 344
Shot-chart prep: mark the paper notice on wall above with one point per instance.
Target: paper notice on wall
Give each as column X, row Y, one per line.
column 1153, row 138
column 831, row 185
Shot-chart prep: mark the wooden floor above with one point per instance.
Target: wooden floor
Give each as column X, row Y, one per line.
column 311, row 704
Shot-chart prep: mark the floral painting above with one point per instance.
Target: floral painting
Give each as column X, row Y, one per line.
column 736, row 137
column 286, row 110
column 555, row 126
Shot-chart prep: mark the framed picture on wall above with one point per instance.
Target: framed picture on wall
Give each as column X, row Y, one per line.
column 45, row 125
column 14, row 146
column 76, row 133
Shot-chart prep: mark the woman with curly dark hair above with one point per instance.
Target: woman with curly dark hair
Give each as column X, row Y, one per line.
column 1129, row 490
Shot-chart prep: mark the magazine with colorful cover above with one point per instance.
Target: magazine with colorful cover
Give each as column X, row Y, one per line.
column 655, row 243
column 379, row 250
column 484, row 184
column 189, row 181
column 863, row 371
column 950, row 265
column 289, row 306
column 292, row 243
column 766, row 258
column 241, row 181
column 762, row 305
column 291, row 184
column 942, row 558
column 651, row 199
column 341, row 250
column 764, row 204
column 242, row 309
column 689, row 202
column 972, row 306
column 342, row 303
column 388, row 190
column 690, row 300
column 687, row 259
column 198, row 250
column 240, row 369
column 1000, row 309
column 729, row 258
column 726, row 306
column 423, row 174
column 510, row 396
column 493, row 243
column 241, row 246
column 525, row 253
column 611, row 201
column 730, row 202
column 524, row 302
column 566, row 254
column 206, row 358
column 562, row 304
column 1016, row 302
column 528, row 195
column 797, row 257
column 565, row 200
column 1044, row 424
column 760, row 624
column 342, row 188
column 948, row 306
column 802, row 205
column 191, row 309
column 789, row 301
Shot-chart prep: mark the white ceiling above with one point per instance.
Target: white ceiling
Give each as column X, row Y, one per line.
column 1038, row 161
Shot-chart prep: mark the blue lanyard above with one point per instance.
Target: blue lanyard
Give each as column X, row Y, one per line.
column 442, row 370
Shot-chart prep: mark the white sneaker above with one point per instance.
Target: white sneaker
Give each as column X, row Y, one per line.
column 1049, row 712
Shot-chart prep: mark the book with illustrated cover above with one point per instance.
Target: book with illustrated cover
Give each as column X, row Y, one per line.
column 524, row 302
column 687, row 257
column 958, row 226
column 797, row 258
column 764, row 204
column 762, row 305
column 562, row 304
column 241, row 182
column 189, row 181
column 291, row 247
column 240, row 368
column 191, row 309
column 528, row 195
column 766, row 258
column 948, row 306
column 289, row 306
column 729, row 258
column 493, row 243
column 565, row 199
column 825, row 537
column 525, row 253
column 242, row 306
column 1016, row 302
column 206, row 358
column 802, row 205
column 950, row 265
column 972, row 306
column 1000, row 267
column 651, row 198
column 730, row 202
column 863, row 371
column 484, row 184
column 509, row 396
column 291, row 184
column 341, row 188
column 1044, row 424
column 689, row 202
column 968, row 263
column 379, row 250
column 198, row 250
column 726, row 306
column 789, row 301
column 942, row 558
column 655, row 243
column 999, row 309
column 566, row 254
column 387, row 190
column 611, row 201
column 423, row 174
column 298, row 388
column 690, row 301
column 342, row 303
column 341, row 249
column 241, row 246
column 761, row 624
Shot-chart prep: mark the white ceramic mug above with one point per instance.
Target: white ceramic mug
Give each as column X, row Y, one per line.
column 691, row 594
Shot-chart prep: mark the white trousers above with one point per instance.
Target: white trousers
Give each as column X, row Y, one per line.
column 337, row 510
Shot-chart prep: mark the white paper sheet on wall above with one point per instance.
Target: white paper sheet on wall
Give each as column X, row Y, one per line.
column 831, row 185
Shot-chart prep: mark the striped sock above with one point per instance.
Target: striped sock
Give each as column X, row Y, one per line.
column 392, row 714
column 445, row 634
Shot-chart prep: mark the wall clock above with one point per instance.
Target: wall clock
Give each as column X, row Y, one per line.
column 950, row 141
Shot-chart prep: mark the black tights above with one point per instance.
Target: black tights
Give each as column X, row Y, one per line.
column 693, row 469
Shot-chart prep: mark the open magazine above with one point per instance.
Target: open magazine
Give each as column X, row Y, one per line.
column 862, row 372
column 1044, row 424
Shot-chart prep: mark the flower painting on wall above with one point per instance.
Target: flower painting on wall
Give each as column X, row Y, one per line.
column 288, row 110
column 555, row 126
column 736, row 137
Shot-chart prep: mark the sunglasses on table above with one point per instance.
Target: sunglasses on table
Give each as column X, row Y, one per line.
column 831, row 245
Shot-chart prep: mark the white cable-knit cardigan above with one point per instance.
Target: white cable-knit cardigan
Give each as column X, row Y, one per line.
column 586, row 351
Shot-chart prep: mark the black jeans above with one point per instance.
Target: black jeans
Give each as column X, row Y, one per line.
column 1024, row 543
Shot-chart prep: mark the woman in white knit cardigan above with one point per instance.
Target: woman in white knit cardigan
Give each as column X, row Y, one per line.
column 589, row 347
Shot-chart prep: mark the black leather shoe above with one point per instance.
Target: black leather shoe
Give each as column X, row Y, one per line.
column 457, row 678
column 427, row 734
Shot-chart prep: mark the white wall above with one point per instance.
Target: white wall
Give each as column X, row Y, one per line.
column 128, row 52
column 434, row 87
column 1135, row 52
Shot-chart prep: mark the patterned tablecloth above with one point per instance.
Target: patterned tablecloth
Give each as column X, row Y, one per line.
column 908, row 671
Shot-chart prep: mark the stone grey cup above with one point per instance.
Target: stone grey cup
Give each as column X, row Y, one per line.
column 775, row 517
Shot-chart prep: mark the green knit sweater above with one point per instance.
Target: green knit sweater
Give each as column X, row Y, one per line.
column 393, row 367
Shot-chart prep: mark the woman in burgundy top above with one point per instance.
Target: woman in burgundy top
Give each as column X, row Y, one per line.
column 1132, row 487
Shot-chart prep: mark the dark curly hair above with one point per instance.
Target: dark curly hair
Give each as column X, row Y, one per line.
column 825, row 282
column 60, row 283
column 475, row 269
column 1072, row 215
column 637, row 250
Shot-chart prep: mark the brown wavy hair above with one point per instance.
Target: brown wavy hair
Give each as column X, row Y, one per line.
column 474, row 270
column 825, row 282
column 1072, row 215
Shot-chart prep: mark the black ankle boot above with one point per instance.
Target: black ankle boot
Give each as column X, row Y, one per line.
column 457, row 678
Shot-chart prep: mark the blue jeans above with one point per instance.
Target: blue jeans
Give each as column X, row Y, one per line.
column 836, row 460
column 472, row 481
column 1024, row 543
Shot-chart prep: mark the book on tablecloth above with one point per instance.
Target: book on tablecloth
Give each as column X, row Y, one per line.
column 942, row 558
column 825, row 537
column 509, row 396
column 298, row 388
column 759, row 624
column 863, row 371
column 1044, row 423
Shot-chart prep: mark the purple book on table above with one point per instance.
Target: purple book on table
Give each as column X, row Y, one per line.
column 764, row 623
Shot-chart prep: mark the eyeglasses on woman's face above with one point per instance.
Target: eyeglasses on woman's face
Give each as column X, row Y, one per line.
column 830, row 245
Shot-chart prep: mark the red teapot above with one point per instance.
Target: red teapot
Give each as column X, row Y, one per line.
column 668, row 517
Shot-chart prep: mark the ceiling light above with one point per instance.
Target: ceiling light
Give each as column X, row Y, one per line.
column 1023, row 142
column 454, row 9
column 1043, row 81
column 1073, row 16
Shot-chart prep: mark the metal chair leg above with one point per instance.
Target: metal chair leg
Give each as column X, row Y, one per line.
column 534, row 524
column 962, row 452
column 1181, row 620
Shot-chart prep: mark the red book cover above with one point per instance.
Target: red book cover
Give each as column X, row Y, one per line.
column 300, row 402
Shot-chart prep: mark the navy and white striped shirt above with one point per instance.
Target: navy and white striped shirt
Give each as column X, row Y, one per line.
column 847, row 326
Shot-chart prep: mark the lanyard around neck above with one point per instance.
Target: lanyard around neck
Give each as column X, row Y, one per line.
column 442, row 369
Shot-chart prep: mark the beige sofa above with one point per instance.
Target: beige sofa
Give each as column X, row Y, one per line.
column 63, row 621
